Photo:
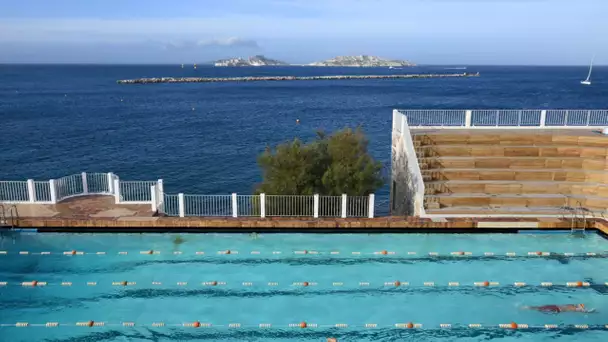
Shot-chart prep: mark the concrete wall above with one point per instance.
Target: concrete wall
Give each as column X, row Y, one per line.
column 407, row 186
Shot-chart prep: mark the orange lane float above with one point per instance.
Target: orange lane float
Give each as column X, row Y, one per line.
column 305, row 284
column 196, row 324
column 409, row 325
column 384, row 252
column 397, row 283
column 303, row 325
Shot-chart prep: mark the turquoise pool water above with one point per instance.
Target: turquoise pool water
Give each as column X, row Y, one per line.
column 191, row 278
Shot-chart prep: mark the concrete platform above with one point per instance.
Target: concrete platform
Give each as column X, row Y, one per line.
column 85, row 207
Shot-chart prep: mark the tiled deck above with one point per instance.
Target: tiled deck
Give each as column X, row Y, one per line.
column 101, row 212
column 87, row 207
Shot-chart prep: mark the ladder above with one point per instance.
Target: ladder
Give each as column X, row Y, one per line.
column 575, row 226
column 8, row 221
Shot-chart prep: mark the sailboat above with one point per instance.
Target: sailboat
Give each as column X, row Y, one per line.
column 588, row 80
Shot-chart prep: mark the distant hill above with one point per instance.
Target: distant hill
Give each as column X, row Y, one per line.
column 258, row 60
column 363, row 61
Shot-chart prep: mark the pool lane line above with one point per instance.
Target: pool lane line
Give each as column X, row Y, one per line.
column 306, row 252
column 396, row 284
column 307, row 325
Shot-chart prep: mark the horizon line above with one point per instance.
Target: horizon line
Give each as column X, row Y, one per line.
column 288, row 65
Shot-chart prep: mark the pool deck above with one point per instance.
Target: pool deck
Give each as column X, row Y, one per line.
column 99, row 213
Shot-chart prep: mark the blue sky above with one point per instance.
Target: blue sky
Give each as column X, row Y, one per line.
column 538, row 32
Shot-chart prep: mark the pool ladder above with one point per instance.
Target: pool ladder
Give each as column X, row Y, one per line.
column 10, row 219
column 575, row 226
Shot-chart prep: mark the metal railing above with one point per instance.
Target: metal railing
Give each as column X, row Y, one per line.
column 182, row 205
column 14, row 191
column 277, row 205
column 330, row 206
column 42, row 191
column 248, row 205
column 69, row 186
column 170, row 205
column 488, row 118
column 98, row 183
column 208, row 205
column 136, row 191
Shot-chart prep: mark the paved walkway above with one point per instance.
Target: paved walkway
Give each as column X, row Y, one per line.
column 86, row 207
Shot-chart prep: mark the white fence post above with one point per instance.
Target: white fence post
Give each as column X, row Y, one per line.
column 110, row 183
column 53, row 188
column 235, row 208
column 182, row 212
column 161, row 187
column 262, row 205
column 315, row 212
column 468, row 114
column 85, row 185
column 31, row 190
column 153, row 197
column 370, row 206
column 116, row 190
column 343, row 205
column 543, row 118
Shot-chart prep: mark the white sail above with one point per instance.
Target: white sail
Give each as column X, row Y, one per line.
column 587, row 81
column 590, row 68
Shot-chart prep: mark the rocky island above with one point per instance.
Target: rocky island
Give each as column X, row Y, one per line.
column 362, row 61
column 258, row 60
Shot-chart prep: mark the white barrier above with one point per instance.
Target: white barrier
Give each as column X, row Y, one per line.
column 505, row 118
column 182, row 205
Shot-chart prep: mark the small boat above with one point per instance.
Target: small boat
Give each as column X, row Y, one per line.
column 194, row 66
column 588, row 80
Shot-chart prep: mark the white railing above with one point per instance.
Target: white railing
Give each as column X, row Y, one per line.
column 56, row 190
column 152, row 193
column 269, row 205
column 330, row 206
column 503, row 118
column 277, row 205
column 208, row 205
column 247, row 205
column 136, row 191
column 69, row 186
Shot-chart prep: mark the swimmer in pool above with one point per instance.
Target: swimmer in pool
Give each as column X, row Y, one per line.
column 559, row 308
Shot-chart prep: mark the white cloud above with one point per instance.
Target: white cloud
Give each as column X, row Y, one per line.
column 230, row 42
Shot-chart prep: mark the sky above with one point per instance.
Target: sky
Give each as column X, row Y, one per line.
column 494, row 32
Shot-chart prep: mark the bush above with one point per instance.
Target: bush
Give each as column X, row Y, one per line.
column 330, row 165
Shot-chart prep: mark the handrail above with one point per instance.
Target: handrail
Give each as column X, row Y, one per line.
column 494, row 118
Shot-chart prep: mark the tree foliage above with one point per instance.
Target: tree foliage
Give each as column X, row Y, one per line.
column 330, row 165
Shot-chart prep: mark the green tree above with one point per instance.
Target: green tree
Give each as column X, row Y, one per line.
column 329, row 165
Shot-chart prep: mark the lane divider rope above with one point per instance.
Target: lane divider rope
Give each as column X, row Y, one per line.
column 396, row 283
column 312, row 252
column 304, row 325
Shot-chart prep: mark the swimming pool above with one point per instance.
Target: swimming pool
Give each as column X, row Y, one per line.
column 355, row 287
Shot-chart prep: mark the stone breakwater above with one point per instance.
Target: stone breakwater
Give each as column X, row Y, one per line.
column 283, row 78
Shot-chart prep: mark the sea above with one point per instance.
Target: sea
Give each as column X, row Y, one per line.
column 203, row 138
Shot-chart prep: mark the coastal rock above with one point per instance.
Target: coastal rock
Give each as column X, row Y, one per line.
column 362, row 61
column 283, row 78
column 258, row 60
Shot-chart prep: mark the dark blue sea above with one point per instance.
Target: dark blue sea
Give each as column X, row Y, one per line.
column 204, row 138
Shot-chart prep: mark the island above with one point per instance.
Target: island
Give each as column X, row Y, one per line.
column 258, row 60
column 362, row 61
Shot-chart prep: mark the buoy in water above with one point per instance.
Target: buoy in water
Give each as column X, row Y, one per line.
column 297, row 121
